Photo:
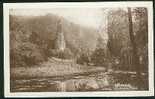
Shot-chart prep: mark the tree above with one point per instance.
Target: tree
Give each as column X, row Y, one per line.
column 141, row 35
column 100, row 56
column 132, row 39
column 118, row 34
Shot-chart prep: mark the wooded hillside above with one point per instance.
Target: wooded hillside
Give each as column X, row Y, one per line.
column 32, row 38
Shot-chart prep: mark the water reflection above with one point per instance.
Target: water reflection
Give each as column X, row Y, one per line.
column 93, row 82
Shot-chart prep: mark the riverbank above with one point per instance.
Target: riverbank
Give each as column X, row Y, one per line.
column 52, row 69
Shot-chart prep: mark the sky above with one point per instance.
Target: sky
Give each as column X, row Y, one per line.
column 89, row 17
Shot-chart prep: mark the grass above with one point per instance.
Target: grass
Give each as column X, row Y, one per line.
column 51, row 68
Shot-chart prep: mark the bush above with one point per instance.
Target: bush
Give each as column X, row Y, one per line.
column 83, row 59
column 16, row 59
column 98, row 57
column 28, row 54
column 65, row 54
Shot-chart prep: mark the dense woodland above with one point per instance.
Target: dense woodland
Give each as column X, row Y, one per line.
column 33, row 40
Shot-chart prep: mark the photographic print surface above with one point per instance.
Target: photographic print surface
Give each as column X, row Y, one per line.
column 79, row 48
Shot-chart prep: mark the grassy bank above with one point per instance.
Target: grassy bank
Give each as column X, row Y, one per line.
column 50, row 69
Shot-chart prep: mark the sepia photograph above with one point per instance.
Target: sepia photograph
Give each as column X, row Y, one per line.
column 64, row 49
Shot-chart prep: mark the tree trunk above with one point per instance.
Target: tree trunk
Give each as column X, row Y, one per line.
column 135, row 55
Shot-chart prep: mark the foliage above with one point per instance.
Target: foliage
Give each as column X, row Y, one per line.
column 100, row 56
column 65, row 54
column 141, row 35
column 83, row 59
column 118, row 31
column 32, row 39
column 119, row 43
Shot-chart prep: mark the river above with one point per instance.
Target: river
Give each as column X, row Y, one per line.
column 98, row 81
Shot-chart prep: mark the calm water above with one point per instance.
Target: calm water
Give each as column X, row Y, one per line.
column 90, row 82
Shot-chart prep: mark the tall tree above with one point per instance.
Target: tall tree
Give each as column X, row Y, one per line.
column 140, row 29
column 136, row 57
column 119, row 43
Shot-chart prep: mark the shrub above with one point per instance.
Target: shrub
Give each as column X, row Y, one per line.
column 28, row 54
column 65, row 54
